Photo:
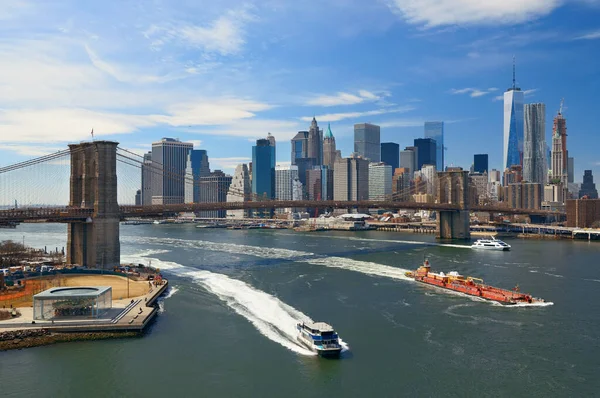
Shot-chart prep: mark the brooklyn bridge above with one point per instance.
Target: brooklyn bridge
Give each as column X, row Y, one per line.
column 91, row 186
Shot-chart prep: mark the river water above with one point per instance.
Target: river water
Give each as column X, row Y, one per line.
column 226, row 328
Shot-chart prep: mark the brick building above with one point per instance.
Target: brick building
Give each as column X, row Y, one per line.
column 583, row 213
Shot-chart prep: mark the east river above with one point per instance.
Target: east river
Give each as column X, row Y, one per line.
column 227, row 326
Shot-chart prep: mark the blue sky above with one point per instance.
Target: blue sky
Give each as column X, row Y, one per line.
column 224, row 73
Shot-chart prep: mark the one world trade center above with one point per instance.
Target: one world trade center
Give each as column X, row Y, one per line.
column 513, row 125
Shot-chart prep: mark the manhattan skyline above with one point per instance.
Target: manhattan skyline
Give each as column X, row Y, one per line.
column 227, row 76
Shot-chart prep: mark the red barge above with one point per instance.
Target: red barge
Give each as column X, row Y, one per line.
column 470, row 286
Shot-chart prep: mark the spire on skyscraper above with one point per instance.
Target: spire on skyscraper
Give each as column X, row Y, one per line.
column 328, row 133
column 514, row 73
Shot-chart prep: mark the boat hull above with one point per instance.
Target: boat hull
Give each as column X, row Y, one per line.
column 500, row 249
column 328, row 353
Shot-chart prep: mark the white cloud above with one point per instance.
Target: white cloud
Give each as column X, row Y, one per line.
column 473, row 92
column 13, row 8
column 525, row 93
column 226, row 164
column 589, row 36
column 431, row 13
column 343, row 98
column 32, row 150
column 334, row 117
column 252, row 129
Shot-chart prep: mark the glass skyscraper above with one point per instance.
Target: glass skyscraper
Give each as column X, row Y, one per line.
column 435, row 130
column 426, row 150
column 534, row 144
column 263, row 169
column 390, row 155
column 169, row 159
column 367, row 141
column 513, row 125
column 480, row 163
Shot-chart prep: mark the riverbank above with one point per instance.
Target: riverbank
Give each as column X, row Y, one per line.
column 27, row 338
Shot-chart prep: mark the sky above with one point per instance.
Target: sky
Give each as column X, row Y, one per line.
column 222, row 74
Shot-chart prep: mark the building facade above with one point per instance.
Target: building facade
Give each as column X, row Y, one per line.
column 380, row 181
column 583, row 213
column 169, row 159
column 300, row 146
column 240, row 190
column 390, row 155
column 319, row 183
column 147, row 178
column 367, row 141
column 524, row 195
column 263, row 170
column 513, row 125
column 426, row 152
column 534, row 144
column 480, row 163
column 560, row 155
column 330, row 153
column 284, row 178
column 315, row 143
column 197, row 166
column 588, row 188
column 214, row 189
column 401, row 185
column 409, row 159
column 435, row 131
column 351, row 179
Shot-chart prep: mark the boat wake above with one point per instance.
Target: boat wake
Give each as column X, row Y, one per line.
column 270, row 316
column 161, row 300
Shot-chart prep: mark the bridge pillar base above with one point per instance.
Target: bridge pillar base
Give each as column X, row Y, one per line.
column 453, row 225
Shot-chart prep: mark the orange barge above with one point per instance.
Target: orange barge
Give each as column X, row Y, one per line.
column 470, row 286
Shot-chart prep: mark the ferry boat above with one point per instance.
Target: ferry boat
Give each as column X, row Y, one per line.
column 470, row 286
column 320, row 338
column 491, row 243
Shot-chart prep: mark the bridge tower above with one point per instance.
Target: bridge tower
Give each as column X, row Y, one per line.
column 95, row 243
column 453, row 188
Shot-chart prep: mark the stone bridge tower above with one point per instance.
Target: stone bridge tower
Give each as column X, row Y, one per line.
column 453, row 188
column 95, row 243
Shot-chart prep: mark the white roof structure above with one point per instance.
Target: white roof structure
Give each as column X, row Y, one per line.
column 320, row 326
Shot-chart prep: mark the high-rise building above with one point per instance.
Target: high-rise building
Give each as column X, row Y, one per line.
column 480, row 182
column 426, row 152
column 534, row 144
column 427, row 179
column 401, row 185
column 409, row 159
column 390, row 155
column 571, row 170
column 284, row 177
column 330, row 153
column 512, row 175
column 147, row 178
column 480, row 163
column 315, row 143
column 380, row 181
column 351, row 178
column 299, row 146
column 319, row 183
column 197, row 166
column 583, row 213
column 367, row 141
column 560, row 155
column 214, row 189
column 240, row 190
column 588, row 188
column 435, row 131
column 138, row 197
column 263, row 170
column 513, row 124
column 524, row 195
column 169, row 158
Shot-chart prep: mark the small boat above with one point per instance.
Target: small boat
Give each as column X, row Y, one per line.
column 471, row 286
column 490, row 243
column 320, row 338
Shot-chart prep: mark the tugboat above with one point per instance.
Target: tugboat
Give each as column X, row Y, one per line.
column 471, row 286
column 490, row 244
column 320, row 338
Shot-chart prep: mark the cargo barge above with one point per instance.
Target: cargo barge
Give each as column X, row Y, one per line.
column 471, row 286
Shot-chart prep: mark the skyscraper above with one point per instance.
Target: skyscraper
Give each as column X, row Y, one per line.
column 197, row 166
column 240, row 190
column 513, row 124
column 169, row 158
column 319, row 183
column 214, row 188
column 560, row 155
column 367, row 141
column 263, row 170
column 426, row 149
column 380, row 181
column 435, row 130
column 330, row 153
column 390, row 155
column 409, row 159
column 480, row 163
column 299, row 146
column 534, row 144
column 284, row 177
column 315, row 143
column 147, row 177
column 351, row 179
column 588, row 188
column 571, row 170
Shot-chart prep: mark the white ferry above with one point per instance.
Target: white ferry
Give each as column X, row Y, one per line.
column 319, row 337
column 491, row 244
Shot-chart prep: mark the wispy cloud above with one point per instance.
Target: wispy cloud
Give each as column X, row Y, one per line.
column 227, row 164
column 473, row 92
column 31, row 150
column 525, row 93
column 334, row 117
column 344, row 98
column 589, row 36
column 433, row 13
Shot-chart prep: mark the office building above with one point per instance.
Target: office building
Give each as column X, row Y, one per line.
column 138, row 197
column 513, row 125
column 197, row 166
column 571, row 170
column 560, row 155
column 147, row 178
column 435, row 131
column 512, row 175
column 169, row 159
column 524, row 195
column 284, row 177
column 480, row 182
column 426, row 152
column 401, row 185
column 319, row 183
column 299, row 146
column 428, row 179
column 315, row 143
column 240, row 190
column 263, row 170
column 215, row 187
column 534, row 144
column 409, row 158
column 588, row 188
column 480, row 163
column 380, row 181
column 330, row 153
column 367, row 142
column 390, row 155
column 351, row 178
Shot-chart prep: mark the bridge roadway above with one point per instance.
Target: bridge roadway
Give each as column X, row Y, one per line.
column 71, row 214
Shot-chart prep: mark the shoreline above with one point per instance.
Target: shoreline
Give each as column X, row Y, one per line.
column 29, row 338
